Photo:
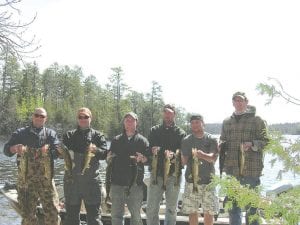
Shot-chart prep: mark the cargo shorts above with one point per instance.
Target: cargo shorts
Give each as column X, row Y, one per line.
column 205, row 198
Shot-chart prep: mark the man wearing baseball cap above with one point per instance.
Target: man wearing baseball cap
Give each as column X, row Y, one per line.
column 243, row 138
column 33, row 144
column 205, row 148
column 164, row 140
column 128, row 151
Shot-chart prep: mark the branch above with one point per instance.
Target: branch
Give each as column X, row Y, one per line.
column 276, row 90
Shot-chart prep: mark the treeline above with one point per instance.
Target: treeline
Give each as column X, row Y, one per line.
column 62, row 90
column 284, row 128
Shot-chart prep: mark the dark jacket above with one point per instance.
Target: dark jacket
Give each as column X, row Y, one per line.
column 124, row 168
column 34, row 138
column 167, row 138
column 78, row 141
column 84, row 186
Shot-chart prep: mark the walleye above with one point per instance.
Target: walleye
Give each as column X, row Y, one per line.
column 154, row 168
column 222, row 156
column 23, row 166
column 46, row 162
column 177, row 167
column 108, row 178
column 241, row 159
column 134, row 173
column 167, row 164
column 195, row 169
column 88, row 155
column 68, row 156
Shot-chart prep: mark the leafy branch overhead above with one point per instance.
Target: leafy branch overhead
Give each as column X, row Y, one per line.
column 275, row 89
column 13, row 31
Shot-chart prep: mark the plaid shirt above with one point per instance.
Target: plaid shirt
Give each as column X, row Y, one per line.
column 249, row 128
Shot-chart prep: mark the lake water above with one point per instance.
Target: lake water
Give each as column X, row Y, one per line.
column 8, row 174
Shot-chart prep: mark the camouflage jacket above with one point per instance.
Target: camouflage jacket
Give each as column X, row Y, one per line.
column 34, row 138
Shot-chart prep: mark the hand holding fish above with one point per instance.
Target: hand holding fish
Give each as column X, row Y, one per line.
column 140, row 157
column 169, row 154
column 19, row 149
column 44, row 149
column 247, row 146
column 92, row 148
column 200, row 154
column 155, row 150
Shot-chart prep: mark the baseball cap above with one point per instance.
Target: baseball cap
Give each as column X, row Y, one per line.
column 239, row 94
column 132, row 114
column 196, row 117
column 169, row 107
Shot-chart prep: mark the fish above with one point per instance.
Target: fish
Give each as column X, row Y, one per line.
column 154, row 168
column 134, row 173
column 222, row 156
column 68, row 156
column 108, row 178
column 87, row 159
column 177, row 167
column 241, row 159
column 195, row 170
column 23, row 166
column 46, row 162
column 167, row 165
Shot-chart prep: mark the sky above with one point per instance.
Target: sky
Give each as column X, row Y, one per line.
column 200, row 52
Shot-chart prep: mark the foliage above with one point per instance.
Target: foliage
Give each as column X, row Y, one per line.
column 63, row 89
column 284, row 150
column 283, row 209
column 274, row 89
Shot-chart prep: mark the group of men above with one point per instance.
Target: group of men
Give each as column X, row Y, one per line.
column 129, row 152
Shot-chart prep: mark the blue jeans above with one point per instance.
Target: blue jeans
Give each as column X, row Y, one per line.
column 155, row 194
column 235, row 214
column 119, row 198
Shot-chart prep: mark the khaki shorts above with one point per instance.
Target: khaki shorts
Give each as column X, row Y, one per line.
column 205, row 197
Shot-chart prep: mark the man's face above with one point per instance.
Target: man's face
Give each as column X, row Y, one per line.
column 240, row 104
column 130, row 124
column 84, row 120
column 197, row 126
column 168, row 116
column 39, row 118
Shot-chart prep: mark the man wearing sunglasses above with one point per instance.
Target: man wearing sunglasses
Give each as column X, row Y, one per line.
column 36, row 147
column 89, row 146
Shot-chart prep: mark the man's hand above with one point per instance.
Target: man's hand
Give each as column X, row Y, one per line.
column 44, row 149
column 155, row 150
column 140, row 157
column 19, row 149
column 169, row 154
column 247, row 145
column 200, row 154
column 92, row 148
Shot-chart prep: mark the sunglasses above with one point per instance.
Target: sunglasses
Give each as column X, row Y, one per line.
column 39, row 116
column 83, row 117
